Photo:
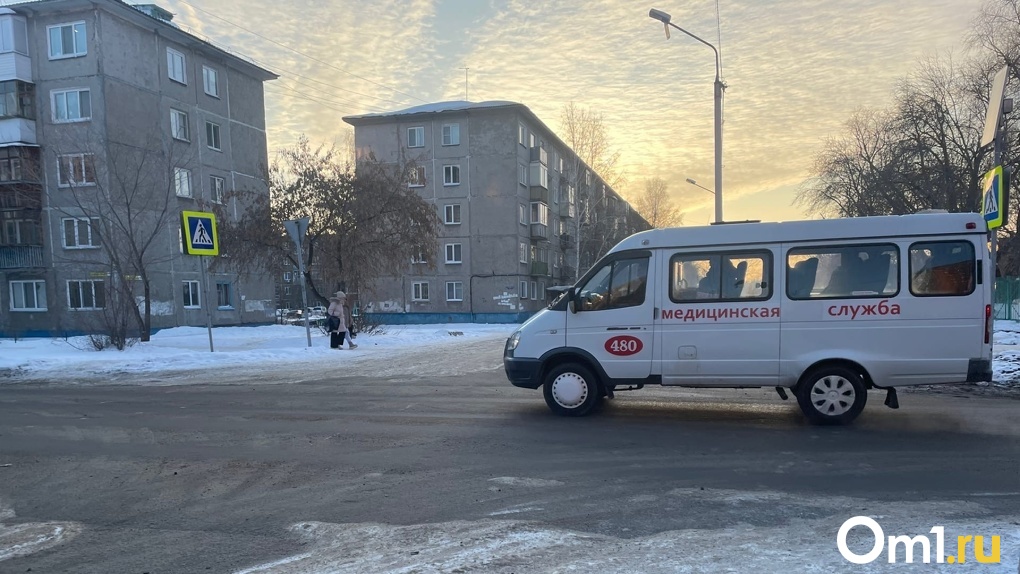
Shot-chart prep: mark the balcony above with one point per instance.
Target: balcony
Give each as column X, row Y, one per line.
column 17, row 130
column 540, row 268
column 567, row 273
column 539, row 231
column 540, row 194
column 539, row 176
column 539, row 155
column 21, row 256
column 567, row 241
column 568, row 210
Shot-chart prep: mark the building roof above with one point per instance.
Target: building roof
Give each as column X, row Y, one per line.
column 434, row 108
column 134, row 14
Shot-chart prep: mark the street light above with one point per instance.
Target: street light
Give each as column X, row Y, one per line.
column 719, row 87
column 696, row 184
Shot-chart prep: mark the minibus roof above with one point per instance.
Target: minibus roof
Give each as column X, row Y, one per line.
column 852, row 228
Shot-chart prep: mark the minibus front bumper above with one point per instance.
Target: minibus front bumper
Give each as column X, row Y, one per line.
column 979, row 371
column 523, row 373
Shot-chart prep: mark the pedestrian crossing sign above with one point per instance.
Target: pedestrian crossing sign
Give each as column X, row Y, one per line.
column 993, row 199
column 199, row 229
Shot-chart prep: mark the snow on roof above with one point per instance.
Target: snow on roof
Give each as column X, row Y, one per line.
column 437, row 107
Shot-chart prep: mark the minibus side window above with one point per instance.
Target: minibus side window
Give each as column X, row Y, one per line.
column 720, row 277
column 842, row 272
column 942, row 268
column 617, row 285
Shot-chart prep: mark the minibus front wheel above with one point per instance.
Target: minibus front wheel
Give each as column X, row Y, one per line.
column 832, row 395
column 571, row 389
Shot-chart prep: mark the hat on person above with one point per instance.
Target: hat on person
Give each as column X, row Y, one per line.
column 340, row 295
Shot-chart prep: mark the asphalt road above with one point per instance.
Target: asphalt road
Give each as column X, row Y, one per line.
column 223, row 478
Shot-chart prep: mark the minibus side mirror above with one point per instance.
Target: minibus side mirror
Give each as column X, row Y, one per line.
column 572, row 298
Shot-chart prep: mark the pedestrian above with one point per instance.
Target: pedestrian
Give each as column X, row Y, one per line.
column 338, row 322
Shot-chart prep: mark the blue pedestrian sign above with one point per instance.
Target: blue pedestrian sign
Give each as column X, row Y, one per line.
column 199, row 229
column 994, row 197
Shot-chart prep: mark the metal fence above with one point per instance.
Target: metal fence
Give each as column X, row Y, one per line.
column 1007, row 298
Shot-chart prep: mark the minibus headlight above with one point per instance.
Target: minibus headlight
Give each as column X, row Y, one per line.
column 511, row 343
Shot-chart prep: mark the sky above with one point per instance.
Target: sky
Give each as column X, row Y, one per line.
column 795, row 71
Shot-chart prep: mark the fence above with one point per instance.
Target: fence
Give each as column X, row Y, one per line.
column 1007, row 298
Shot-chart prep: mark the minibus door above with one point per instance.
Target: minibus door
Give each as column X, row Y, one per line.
column 612, row 314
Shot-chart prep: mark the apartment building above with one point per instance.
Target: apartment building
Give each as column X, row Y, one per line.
column 103, row 99
column 519, row 212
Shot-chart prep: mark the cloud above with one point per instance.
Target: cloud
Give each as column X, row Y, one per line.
column 795, row 70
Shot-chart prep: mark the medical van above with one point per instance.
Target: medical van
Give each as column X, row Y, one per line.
column 826, row 309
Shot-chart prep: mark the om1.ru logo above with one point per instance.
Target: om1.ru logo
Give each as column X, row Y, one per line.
column 909, row 544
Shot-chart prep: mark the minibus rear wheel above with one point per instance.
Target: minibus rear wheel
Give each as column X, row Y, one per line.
column 571, row 389
column 832, row 395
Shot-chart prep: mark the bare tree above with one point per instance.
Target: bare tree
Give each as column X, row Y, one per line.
column 584, row 131
column 921, row 154
column 365, row 223
column 123, row 200
column 656, row 206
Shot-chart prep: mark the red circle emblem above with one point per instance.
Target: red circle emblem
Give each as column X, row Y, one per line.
column 623, row 345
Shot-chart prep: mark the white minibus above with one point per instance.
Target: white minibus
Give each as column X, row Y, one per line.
column 827, row 309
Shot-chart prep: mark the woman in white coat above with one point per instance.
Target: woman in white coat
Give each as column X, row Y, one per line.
column 338, row 311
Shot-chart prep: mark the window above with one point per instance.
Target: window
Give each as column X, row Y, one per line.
column 453, row 253
column 942, row 268
column 224, row 295
column 522, row 213
column 420, row 291
column 522, row 252
column 209, row 81
column 175, row 66
column 15, row 162
column 842, row 272
column 416, row 137
column 417, row 177
column 67, row 40
column 541, row 288
column 534, row 290
column 451, row 175
column 522, row 178
column 418, row 259
column 71, row 105
column 28, row 295
column 216, row 189
column 192, row 298
column 286, row 289
column 212, row 135
column 522, row 134
column 80, row 233
column 720, row 276
column 616, row 285
column 17, row 99
column 540, row 213
column 14, row 37
column 182, row 181
column 19, row 231
column 532, row 141
column 179, row 125
column 454, row 290
column 524, row 290
column 76, row 169
column 286, row 277
column 451, row 134
column 451, row 214
column 84, row 295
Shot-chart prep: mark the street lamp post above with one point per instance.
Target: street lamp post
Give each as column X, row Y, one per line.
column 696, row 184
column 719, row 88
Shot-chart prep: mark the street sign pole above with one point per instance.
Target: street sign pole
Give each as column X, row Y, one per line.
column 297, row 228
column 208, row 302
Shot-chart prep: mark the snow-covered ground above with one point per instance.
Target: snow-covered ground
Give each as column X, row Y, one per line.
column 181, row 355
